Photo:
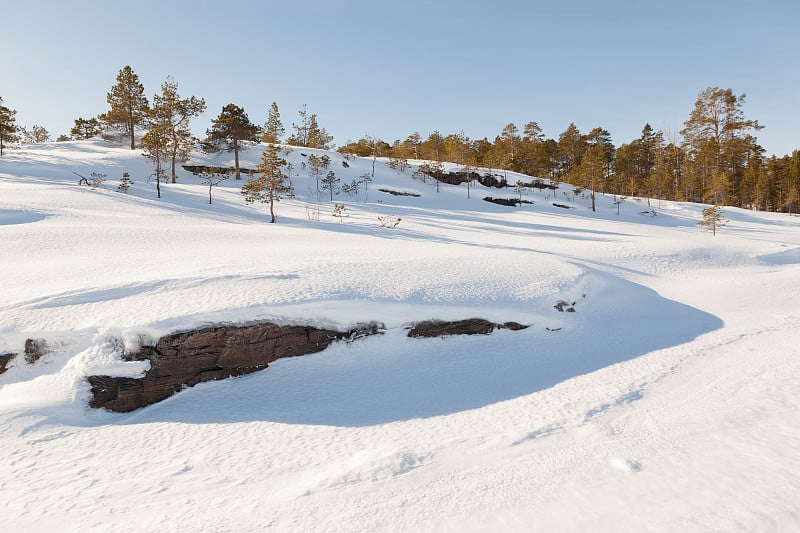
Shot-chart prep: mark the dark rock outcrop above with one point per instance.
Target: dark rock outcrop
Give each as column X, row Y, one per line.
column 469, row 326
column 400, row 193
column 185, row 359
column 510, row 202
column 203, row 169
column 497, row 181
column 35, row 349
column 5, row 359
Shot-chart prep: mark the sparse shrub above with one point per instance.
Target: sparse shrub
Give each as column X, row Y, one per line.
column 389, row 221
column 339, row 211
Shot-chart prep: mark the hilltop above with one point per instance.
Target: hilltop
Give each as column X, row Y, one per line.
column 664, row 401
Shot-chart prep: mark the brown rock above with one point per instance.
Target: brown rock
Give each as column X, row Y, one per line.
column 513, row 326
column 5, row 359
column 186, row 359
column 35, row 349
column 439, row 328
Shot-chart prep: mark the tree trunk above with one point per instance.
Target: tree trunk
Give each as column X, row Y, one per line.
column 209, row 193
column 236, row 160
column 174, row 156
column 131, row 126
column 272, row 205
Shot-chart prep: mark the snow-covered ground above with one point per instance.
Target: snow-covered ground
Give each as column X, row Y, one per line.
column 669, row 401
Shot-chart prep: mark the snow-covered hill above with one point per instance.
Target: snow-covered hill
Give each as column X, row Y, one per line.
column 667, row 401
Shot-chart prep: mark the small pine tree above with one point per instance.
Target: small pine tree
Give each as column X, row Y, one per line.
column 712, row 219
column 272, row 182
column 273, row 129
column 156, row 142
column 315, row 167
column 213, row 177
column 85, row 128
column 125, row 183
column 329, row 183
column 520, row 188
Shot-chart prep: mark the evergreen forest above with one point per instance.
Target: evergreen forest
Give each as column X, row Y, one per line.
column 714, row 159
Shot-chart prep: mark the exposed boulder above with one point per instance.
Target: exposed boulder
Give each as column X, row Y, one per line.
column 5, row 359
column 469, row 326
column 35, row 349
column 185, row 359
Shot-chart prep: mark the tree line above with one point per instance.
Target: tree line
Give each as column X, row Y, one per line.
column 716, row 159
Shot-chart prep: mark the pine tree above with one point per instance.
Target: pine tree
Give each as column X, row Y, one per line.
column 37, row 134
column 232, row 127
column 85, row 128
column 129, row 106
column 315, row 167
column 592, row 169
column 175, row 113
column 125, row 182
column 212, row 177
column 712, row 219
column 717, row 140
column 156, row 143
column 8, row 128
column 318, row 137
column 300, row 135
column 571, row 147
column 273, row 130
column 509, row 141
column 329, row 183
column 308, row 132
column 272, row 183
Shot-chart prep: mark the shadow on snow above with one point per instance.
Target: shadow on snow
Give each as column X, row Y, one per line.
column 390, row 378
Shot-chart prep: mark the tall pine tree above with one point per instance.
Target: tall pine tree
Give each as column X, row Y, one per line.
column 718, row 143
column 231, row 128
column 174, row 113
column 273, row 130
column 129, row 106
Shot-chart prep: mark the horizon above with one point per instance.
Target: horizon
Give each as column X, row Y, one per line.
column 573, row 63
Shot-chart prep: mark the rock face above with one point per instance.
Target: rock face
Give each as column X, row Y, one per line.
column 470, row 326
column 186, row 359
column 6, row 358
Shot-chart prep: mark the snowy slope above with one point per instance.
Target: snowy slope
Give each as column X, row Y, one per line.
column 668, row 401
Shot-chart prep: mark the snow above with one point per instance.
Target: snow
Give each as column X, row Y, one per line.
column 667, row 401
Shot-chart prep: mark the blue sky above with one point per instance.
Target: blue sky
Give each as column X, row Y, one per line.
column 390, row 69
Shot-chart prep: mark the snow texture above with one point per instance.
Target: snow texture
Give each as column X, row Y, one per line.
column 668, row 401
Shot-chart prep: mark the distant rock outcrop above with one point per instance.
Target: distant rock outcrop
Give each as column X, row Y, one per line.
column 186, row 359
column 469, row 326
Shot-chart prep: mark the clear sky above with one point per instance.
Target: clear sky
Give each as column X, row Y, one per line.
column 392, row 68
